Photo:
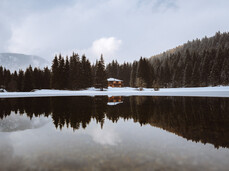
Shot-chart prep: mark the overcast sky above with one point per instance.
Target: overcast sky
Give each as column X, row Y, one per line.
column 120, row 29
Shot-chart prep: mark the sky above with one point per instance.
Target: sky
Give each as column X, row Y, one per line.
column 122, row 30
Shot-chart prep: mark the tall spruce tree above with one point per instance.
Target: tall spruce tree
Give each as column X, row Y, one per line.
column 204, row 69
column 46, row 78
column 61, row 73
column 74, row 67
column 1, row 77
column 6, row 78
column 28, row 80
column 12, row 86
column 55, row 73
column 20, row 79
column 84, row 75
column 133, row 74
column 66, row 74
column 144, row 73
column 37, row 78
column 101, row 76
column 88, row 74
column 113, row 69
column 216, row 68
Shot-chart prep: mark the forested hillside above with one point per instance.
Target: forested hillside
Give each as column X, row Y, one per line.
column 198, row 63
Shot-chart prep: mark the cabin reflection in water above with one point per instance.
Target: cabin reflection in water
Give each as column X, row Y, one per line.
column 198, row 119
column 114, row 100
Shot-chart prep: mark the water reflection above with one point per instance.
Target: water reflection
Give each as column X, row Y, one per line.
column 15, row 123
column 114, row 100
column 198, row 119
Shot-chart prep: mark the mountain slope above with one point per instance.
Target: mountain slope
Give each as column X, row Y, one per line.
column 15, row 61
column 198, row 63
column 198, row 45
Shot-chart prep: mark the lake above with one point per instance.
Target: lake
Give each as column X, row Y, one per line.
column 114, row 133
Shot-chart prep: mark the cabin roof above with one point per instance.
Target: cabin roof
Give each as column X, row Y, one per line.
column 113, row 79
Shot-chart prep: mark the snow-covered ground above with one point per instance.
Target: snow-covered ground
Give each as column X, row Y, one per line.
column 221, row 91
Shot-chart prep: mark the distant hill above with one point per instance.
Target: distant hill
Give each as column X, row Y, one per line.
column 198, row 63
column 16, row 61
column 198, row 45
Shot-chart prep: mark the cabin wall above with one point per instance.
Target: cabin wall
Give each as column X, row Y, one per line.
column 114, row 84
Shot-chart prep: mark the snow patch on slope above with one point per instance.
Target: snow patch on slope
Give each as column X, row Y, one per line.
column 15, row 61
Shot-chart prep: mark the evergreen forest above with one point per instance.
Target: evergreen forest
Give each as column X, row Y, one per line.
column 198, row 63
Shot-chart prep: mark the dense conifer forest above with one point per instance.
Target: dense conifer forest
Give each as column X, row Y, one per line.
column 197, row 63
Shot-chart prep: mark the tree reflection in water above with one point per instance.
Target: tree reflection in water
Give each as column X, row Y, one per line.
column 203, row 120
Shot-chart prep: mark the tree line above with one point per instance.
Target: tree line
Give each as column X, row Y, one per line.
column 66, row 73
column 198, row 63
column 70, row 73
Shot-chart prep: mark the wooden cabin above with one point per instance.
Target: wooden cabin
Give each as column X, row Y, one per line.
column 113, row 82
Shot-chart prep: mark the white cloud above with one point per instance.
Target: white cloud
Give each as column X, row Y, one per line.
column 106, row 46
column 120, row 29
column 108, row 135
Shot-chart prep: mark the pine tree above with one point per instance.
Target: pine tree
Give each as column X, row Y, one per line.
column 113, row 69
column 166, row 74
column 20, row 80
column 1, row 78
column 225, row 73
column 28, row 84
column 133, row 74
column 37, row 78
column 143, row 72
column 61, row 73
column 84, row 75
column 55, row 73
column 88, row 74
column 196, row 75
column 188, row 69
column 216, row 68
column 6, row 78
column 66, row 74
column 178, row 72
column 74, row 71
column 101, row 77
column 12, row 86
column 46, row 78
column 205, row 69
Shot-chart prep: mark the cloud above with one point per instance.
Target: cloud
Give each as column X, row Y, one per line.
column 122, row 29
column 106, row 46
column 106, row 136
column 15, row 123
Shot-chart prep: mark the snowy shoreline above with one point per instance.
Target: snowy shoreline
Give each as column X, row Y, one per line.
column 221, row 91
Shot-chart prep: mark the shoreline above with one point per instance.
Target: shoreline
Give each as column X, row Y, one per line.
column 222, row 91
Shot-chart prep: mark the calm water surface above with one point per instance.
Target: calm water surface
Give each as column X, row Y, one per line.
column 114, row 133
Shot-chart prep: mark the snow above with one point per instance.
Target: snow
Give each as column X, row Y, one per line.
column 16, row 61
column 113, row 79
column 114, row 103
column 221, row 91
column 2, row 90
